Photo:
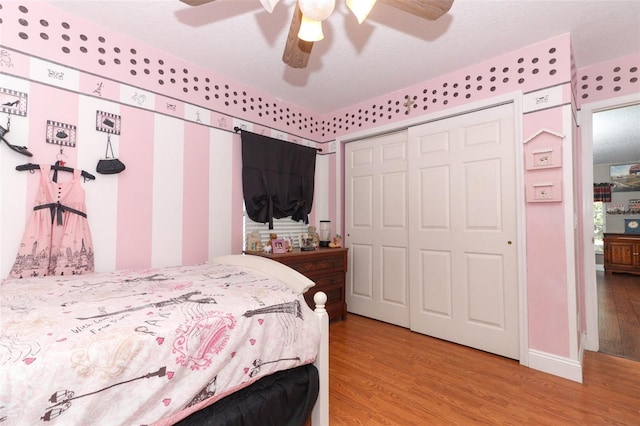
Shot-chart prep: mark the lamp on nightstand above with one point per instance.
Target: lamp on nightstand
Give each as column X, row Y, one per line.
column 325, row 233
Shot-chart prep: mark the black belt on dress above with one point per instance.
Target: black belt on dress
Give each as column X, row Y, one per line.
column 57, row 209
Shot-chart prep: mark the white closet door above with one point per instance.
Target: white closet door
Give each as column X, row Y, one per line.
column 376, row 221
column 462, row 217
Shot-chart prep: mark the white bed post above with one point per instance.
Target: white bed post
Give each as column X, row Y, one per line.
column 320, row 414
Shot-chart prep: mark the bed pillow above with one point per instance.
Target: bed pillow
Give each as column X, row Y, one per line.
column 277, row 270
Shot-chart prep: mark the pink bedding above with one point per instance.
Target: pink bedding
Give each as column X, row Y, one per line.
column 134, row 348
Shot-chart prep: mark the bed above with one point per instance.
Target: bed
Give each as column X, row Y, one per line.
column 162, row 346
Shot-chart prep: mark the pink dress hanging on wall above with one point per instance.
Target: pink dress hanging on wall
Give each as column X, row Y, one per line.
column 57, row 240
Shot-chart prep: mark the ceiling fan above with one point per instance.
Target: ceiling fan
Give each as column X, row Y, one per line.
column 306, row 25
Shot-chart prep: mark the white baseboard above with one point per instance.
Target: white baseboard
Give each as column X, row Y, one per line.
column 599, row 267
column 558, row 366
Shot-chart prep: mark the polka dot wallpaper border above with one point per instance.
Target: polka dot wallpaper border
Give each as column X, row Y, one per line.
column 46, row 32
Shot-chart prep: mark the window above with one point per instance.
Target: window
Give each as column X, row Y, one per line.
column 598, row 227
column 285, row 228
column 277, row 178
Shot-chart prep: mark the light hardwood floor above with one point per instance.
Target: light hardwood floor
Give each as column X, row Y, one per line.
column 381, row 374
column 619, row 314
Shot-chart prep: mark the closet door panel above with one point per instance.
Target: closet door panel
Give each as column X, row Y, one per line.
column 376, row 228
column 435, row 268
column 483, row 197
column 485, row 281
column 470, row 298
column 435, row 199
column 362, row 268
column 392, row 256
column 362, row 212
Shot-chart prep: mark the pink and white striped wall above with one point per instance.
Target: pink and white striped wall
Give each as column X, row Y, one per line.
column 167, row 208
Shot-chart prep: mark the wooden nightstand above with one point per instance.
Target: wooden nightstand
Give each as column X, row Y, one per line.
column 326, row 267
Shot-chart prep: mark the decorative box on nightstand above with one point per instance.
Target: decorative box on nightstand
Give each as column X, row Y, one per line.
column 326, row 267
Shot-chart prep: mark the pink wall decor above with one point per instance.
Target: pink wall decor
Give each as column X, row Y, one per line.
column 544, row 191
column 13, row 102
column 543, row 64
column 543, row 152
column 108, row 122
column 618, row 77
column 61, row 134
column 53, row 35
column 545, row 158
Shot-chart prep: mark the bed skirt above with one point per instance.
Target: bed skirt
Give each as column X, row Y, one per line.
column 285, row 398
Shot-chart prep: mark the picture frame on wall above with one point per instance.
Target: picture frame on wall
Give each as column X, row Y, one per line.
column 625, row 177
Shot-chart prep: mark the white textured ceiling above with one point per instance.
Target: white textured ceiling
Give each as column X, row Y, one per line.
column 391, row 50
column 616, row 135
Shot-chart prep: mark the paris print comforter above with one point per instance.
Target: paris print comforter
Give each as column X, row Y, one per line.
column 134, row 348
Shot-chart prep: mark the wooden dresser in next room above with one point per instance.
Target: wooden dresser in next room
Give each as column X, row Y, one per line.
column 327, row 267
column 622, row 253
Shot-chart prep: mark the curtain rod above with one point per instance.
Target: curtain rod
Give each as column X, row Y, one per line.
column 238, row 130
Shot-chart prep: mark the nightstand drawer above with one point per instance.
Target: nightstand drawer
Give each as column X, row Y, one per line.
column 326, row 267
column 335, row 299
column 321, row 264
column 327, row 281
column 334, row 294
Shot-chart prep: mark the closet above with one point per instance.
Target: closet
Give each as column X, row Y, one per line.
column 430, row 220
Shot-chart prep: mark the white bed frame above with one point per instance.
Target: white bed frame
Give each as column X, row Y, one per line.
column 320, row 415
column 301, row 284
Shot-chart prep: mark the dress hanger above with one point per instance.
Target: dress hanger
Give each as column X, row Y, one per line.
column 31, row 166
column 59, row 165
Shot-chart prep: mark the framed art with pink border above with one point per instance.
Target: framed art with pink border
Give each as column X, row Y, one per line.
column 279, row 245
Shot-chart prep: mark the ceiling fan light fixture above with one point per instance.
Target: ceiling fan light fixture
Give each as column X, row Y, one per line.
column 317, row 10
column 361, row 8
column 310, row 29
column 269, row 4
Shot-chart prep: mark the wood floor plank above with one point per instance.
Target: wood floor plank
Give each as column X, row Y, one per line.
column 612, row 347
column 387, row 375
column 609, row 328
column 636, row 307
column 619, row 314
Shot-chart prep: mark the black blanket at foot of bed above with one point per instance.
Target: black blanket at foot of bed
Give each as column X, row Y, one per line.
column 285, row 398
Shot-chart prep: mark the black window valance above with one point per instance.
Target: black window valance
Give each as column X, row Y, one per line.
column 277, row 178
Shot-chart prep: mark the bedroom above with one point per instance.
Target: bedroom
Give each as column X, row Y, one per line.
column 166, row 166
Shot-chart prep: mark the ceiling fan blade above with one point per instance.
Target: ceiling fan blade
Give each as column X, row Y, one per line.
column 296, row 51
column 196, row 2
column 426, row 9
